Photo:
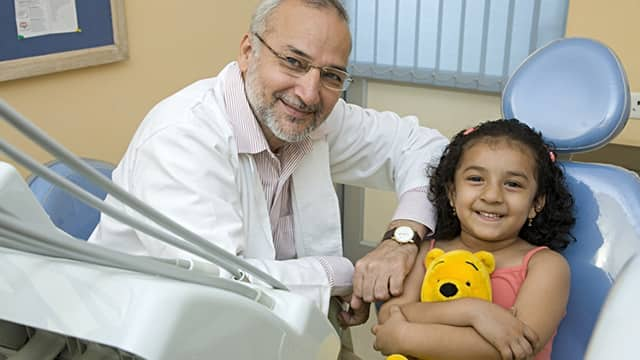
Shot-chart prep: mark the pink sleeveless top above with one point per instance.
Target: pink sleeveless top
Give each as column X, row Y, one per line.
column 505, row 284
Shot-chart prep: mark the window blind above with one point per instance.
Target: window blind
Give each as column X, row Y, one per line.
column 471, row 44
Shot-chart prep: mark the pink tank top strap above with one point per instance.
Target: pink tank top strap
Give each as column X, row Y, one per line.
column 529, row 255
column 432, row 244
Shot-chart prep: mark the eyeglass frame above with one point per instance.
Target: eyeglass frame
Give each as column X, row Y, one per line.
column 307, row 66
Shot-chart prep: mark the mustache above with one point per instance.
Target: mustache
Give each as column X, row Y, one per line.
column 297, row 103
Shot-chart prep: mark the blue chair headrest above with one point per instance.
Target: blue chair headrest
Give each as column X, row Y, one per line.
column 574, row 90
column 66, row 211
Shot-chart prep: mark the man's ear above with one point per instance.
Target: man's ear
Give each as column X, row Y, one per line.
column 246, row 50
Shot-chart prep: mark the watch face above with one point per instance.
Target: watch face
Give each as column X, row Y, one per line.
column 403, row 234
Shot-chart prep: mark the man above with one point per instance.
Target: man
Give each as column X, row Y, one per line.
column 248, row 159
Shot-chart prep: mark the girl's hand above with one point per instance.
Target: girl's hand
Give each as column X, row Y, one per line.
column 389, row 334
column 511, row 337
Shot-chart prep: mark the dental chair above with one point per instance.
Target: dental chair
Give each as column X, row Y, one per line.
column 575, row 91
column 67, row 212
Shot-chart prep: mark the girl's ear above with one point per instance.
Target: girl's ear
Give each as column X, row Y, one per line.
column 538, row 205
column 451, row 194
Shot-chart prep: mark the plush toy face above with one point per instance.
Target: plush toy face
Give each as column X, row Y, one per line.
column 457, row 274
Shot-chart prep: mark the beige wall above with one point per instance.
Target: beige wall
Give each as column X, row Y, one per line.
column 94, row 111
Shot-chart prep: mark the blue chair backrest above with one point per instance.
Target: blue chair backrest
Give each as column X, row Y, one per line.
column 575, row 91
column 66, row 212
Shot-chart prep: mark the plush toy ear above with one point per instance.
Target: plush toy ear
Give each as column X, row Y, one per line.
column 432, row 254
column 487, row 259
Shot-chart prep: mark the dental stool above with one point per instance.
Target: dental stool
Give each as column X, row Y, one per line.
column 575, row 91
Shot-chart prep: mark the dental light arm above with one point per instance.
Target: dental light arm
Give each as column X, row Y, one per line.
column 175, row 234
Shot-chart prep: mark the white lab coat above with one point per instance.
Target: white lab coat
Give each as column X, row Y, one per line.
column 183, row 160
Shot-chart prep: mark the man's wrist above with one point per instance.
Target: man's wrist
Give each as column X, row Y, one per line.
column 402, row 235
column 390, row 244
column 421, row 229
column 405, row 232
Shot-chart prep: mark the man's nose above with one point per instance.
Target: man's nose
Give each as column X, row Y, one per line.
column 309, row 86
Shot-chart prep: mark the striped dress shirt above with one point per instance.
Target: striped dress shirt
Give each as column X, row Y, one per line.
column 275, row 172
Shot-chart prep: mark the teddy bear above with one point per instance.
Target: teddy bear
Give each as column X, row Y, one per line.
column 453, row 275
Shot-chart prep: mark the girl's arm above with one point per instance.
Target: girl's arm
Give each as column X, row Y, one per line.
column 412, row 285
column 492, row 323
column 500, row 328
column 542, row 299
column 539, row 307
column 397, row 335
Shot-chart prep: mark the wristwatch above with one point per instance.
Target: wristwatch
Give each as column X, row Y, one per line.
column 402, row 235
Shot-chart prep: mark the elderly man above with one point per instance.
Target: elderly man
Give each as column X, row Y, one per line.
column 247, row 160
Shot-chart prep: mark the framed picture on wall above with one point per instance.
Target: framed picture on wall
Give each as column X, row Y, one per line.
column 100, row 38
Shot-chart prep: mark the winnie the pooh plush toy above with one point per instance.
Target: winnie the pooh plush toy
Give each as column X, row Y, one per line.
column 453, row 275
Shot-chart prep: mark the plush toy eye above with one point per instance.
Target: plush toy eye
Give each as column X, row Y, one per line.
column 468, row 284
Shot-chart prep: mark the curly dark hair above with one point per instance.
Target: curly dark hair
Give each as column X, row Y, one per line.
column 551, row 226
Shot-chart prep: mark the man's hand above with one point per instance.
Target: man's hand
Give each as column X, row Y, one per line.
column 380, row 274
column 350, row 316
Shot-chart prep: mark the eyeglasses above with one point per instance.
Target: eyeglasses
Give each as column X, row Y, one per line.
column 331, row 78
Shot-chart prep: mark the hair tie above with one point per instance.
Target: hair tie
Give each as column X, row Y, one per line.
column 469, row 131
column 552, row 156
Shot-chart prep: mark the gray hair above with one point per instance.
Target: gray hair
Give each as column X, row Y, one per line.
column 266, row 8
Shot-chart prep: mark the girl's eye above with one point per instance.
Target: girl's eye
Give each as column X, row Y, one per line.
column 513, row 184
column 474, row 178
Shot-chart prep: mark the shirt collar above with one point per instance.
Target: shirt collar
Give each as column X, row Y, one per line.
column 249, row 136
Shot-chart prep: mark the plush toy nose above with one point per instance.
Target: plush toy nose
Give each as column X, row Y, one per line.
column 448, row 289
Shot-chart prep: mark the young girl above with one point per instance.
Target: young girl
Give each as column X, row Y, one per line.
column 497, row 188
